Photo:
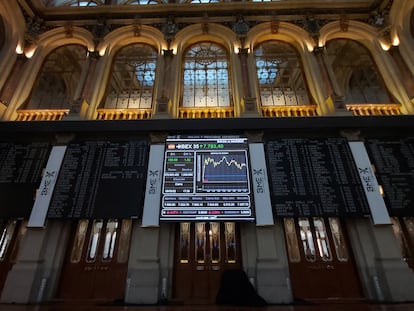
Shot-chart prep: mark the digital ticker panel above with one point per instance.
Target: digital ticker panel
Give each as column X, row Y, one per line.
column 206, row 179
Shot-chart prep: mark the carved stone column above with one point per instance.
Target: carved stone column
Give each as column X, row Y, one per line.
column 164, row 99
column 329, row 82
column 407, row 76
column 248, row 100
column 83, row 89
column 13, row 80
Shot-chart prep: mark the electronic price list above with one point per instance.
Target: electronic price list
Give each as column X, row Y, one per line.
column 206, row 178
column 101, row 179
column 314, row 177
column 21, row 166
column 394, row 168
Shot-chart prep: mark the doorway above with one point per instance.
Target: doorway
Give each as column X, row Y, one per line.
column 96, row 263
column 203, row 251
column 404, row 231
column 320, row 260
column 11, row 233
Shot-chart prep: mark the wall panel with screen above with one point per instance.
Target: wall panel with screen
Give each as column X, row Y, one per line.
column 206, row 178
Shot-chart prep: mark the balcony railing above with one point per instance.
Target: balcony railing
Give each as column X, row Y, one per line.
column 206, row 112
column 374, row 109
column 289, row 111
column 124, row 114
column 41, row 114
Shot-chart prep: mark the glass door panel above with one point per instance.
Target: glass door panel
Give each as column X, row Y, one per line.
column 203, row 251
column 97, row 261
column 319, row 260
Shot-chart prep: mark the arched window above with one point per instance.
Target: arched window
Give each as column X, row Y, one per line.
column 206, row 81
column 280, row 76
column 59, row 78
column 133, row 77
column 356, row 73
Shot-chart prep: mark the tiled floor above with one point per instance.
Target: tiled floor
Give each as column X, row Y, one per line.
column 308, row 307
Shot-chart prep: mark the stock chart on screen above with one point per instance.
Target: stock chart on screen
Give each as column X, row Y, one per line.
column 206, row 178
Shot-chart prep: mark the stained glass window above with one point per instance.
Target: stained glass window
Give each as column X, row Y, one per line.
column 94, row 240
column 230, row 236
column 338, row 239
column 200, row 242
column 322, row 239
column 79, row 241
column 356, row 73
column 214, row 235
column 110, row 240
column 133, row 78
column 206, row 81
column 307, row 239
column 184, row 242
column 292, row 240
column 279, row 74
column 58, row 79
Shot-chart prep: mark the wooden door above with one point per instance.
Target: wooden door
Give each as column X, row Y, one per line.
column 97, row 261
column 404, row 232
column 203, row 251
column 320, row 260
column 11, row 233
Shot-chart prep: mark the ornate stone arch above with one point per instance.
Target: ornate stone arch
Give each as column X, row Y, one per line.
column 282, row 31
column 47, row 42
column 369, row 37
column 131, row 34
column 402, row 21
column 13, row 36
column 208, row 32
column 361, row 32
column 54, row 38
column 205, row 32
column 301, row 40
column 111, row 44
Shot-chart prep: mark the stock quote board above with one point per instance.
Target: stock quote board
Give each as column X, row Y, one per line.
column 394, row 168
column 21, row 167
column 314, row 177
column 101, row 179
column 206, row 178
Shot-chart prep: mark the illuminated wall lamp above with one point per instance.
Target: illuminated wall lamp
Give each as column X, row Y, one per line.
column 19, row 49
column 396, row 41
column 30, row 51
column 102, row 51
column 385, row 46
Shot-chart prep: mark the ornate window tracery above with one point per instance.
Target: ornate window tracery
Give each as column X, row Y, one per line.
column 206, row 81
column 279, row 74
column 356, row 73
column 133, row 78
column 58, row 79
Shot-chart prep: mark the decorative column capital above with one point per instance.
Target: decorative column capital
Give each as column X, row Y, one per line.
column 168, row 52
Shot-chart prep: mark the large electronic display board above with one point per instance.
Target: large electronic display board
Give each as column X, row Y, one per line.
column 101, row 179
column 314, row 177
column 394, row 168
column 206, row 178
column 21, row 166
